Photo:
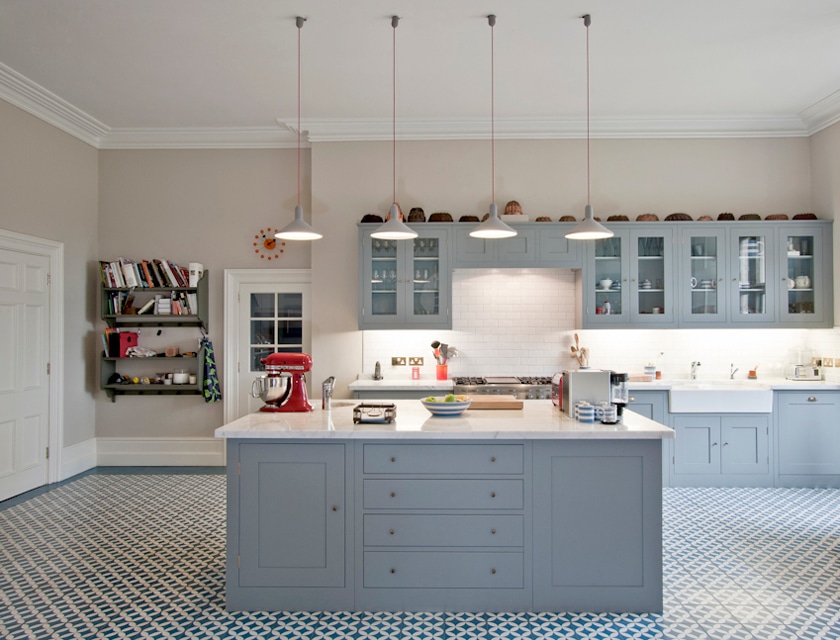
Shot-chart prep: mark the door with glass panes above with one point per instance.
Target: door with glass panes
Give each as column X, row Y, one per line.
column 272, row 319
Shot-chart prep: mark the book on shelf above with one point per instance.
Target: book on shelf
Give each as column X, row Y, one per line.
column 124, row 273
column 147, row 307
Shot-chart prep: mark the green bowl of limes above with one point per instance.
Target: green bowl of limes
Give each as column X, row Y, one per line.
column 448, row 406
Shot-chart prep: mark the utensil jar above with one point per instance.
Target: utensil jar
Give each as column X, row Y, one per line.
column 441, row 371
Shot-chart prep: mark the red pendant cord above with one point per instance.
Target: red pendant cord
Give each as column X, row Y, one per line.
column 298, row 123
column 492, row 113
column 588, row 183
column 394, row 111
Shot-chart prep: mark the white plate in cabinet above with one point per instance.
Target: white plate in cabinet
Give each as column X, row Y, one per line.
column 394, row 530
column 448, row 459
column 444, row 494
column 443, row 570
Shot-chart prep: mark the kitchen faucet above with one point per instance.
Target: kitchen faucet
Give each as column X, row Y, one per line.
column 327, row 387
column 694, row 366
column 732, row 370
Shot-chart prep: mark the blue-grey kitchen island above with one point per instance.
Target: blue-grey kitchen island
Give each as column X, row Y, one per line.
column 505, row 510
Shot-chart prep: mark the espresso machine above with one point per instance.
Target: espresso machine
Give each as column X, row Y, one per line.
column 283, row 387
column 619, row 393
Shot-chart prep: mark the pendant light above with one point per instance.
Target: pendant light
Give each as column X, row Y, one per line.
column 298, row 229
column 493, row 227
column 394, row 228
column 589, row 228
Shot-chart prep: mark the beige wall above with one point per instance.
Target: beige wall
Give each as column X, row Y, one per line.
column 547, row 177
column 204, row 206
column 825, row 185
column 48, row 189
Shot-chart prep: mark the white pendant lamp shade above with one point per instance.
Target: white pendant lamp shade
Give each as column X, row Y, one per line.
column 298, row 229
column 589, row 228
column 493, row 227
column 394, row 228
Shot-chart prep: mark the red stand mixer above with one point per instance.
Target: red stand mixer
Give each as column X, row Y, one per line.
column 283, row 387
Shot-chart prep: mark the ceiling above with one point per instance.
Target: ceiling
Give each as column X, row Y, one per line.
column 223, row 73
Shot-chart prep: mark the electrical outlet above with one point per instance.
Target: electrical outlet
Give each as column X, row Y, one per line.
column 828, row 362
column 397, row 362
column 415, row 361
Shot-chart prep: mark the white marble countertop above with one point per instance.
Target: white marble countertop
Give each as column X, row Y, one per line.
column 538, row 419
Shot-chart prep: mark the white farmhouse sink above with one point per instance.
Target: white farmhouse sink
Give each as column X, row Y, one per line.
column 723, row 396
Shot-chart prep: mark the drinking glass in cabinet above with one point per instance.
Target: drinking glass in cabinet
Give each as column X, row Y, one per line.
column 800, row 275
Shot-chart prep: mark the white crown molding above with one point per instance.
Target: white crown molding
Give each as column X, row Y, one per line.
column 34, row 99
column 200, row 138
column 822, row 114
column 334, row 130
column 20, row 91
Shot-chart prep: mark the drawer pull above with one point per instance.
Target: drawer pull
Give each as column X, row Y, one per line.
column 493, row 571
column 493, row 531
column 632, row 399
column 391, row 531
column 493, row 494
column 393, row 459
column 811, row 399
column 393, row 494
column 493, row 459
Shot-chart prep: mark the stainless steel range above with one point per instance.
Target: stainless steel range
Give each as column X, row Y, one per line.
column 524, row 388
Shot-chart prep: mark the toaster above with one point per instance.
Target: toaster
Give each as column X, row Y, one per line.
column 804, row 372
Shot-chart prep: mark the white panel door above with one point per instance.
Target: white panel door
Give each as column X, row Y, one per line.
column 24, row 381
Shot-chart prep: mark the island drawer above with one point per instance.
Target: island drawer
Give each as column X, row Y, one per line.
column 444, row 458
column 440, row 570
column 399, row 530
column 444, row 494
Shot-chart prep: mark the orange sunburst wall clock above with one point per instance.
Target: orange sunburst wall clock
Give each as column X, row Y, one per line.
column 266, row 246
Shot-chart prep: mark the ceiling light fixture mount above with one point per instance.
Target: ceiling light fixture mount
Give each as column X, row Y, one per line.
column 493, row 226
column 298, row 229
column 589, row 228
column 394, row 228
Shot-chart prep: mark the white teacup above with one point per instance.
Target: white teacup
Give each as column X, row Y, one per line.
column 606, row 283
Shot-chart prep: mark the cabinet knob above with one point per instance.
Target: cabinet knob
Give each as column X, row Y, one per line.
column 393, row 459
column 393, row 570
column 393, row 494
column 631, row 399
column 812, row 399
column 493, row 494
column 493, row 459
column 335, row 508
column 391, row 531
column 714, row 444
column 725, row 444
column 493, row 531
column 493, row 571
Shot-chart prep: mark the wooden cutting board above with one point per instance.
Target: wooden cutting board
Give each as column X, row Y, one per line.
column 496, row 402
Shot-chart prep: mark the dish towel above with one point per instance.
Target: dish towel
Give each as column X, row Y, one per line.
column 212, row 391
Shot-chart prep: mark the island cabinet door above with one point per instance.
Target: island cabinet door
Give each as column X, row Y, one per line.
column 292, row 515
column 598, row 526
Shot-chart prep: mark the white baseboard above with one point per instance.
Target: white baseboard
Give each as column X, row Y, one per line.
column 78, row 458
column 160, row 452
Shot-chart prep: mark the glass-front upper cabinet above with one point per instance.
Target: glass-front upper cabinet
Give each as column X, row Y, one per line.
column 651, row 276
column 803, row 285
column 702, row 277
column 605, row 290
column 405, row 283
column 632, row 280
column 752, row 291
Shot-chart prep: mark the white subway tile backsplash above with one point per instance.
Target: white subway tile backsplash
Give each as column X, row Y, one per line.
column 521, row 322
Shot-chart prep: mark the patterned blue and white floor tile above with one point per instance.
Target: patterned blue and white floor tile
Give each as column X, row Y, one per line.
column 142, row 556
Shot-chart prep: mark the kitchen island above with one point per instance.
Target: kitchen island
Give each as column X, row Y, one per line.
column 503, row 510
